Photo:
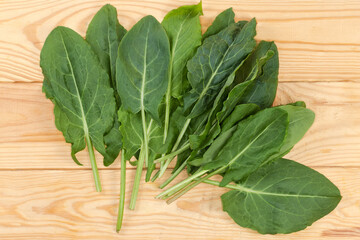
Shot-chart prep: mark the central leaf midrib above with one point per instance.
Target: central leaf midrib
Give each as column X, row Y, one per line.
column 83, row 118
column 259, row 192
column 142, row 92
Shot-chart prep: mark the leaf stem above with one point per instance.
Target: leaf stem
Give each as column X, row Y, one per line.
column 93, row 163
column 180, row 185
column 179, row 193
column 216, row 183
column 122, row 191
column 174, row 175
column 181, row 134
column 137, row 179
column 173, row 154
column 176, row 145
column 168, row 102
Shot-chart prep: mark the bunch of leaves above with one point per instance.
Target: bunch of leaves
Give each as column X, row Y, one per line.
column 162, row 90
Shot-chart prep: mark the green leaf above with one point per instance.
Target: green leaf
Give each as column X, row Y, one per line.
column 80, row 89
column 300, row 120
column 240, row 112
column 281, row 197
column 223, row 20
column 183, row 28
column 263, row 88
column 131, row 131
column 104, row 34
column 215, row 60
column 263, row 132
column 226, row 101
column 142, row 67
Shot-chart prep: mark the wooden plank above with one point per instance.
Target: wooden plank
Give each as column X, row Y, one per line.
column 317, row 40
column 29, row 138
column 63, row 205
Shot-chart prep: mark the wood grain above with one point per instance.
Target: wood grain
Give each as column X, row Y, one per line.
column 65, row 206
column 44, row 195
column 316, row 40
column 29, row 126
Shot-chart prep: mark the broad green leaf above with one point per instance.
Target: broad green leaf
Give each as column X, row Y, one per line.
column 262, row 133
column 226, row 101
column 223, row 20
column 281, row 197
column 215, row 60
column 80, row 89
column 104, row 34
column 183, row 28
column 142, row 67
column 300, row 120
column 263, row 88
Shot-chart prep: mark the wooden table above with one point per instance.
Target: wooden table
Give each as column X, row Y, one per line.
column 44, row 195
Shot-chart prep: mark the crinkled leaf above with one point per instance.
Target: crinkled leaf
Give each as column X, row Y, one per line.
column 215, row 60
column 281, row 197
column 221, row 21
column 183, row 28
column 79, row 87
column 142, row 67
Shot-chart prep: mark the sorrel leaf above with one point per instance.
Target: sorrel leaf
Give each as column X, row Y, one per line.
column 104, row 34
column 263, row 88
column 265, row 130
column 214, row 62
column 221, row 21
column 80, row 88
column 281, row 197
column 142, row 67
column 183, row 28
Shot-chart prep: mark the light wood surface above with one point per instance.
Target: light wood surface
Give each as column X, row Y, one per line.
column 44, row 195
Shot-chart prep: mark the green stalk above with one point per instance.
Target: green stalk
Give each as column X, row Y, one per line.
column 167, row 193
column 93, row 163
column 176, row 145
column 168, row 101
column 122, row 192
column 155, row 176
column 175, row 174
column 230, row 186
column 144, row 153
column 173, row 154
column 137, row 179
column 185, row 189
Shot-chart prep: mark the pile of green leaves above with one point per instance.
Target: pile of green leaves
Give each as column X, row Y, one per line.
column 162, row 90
